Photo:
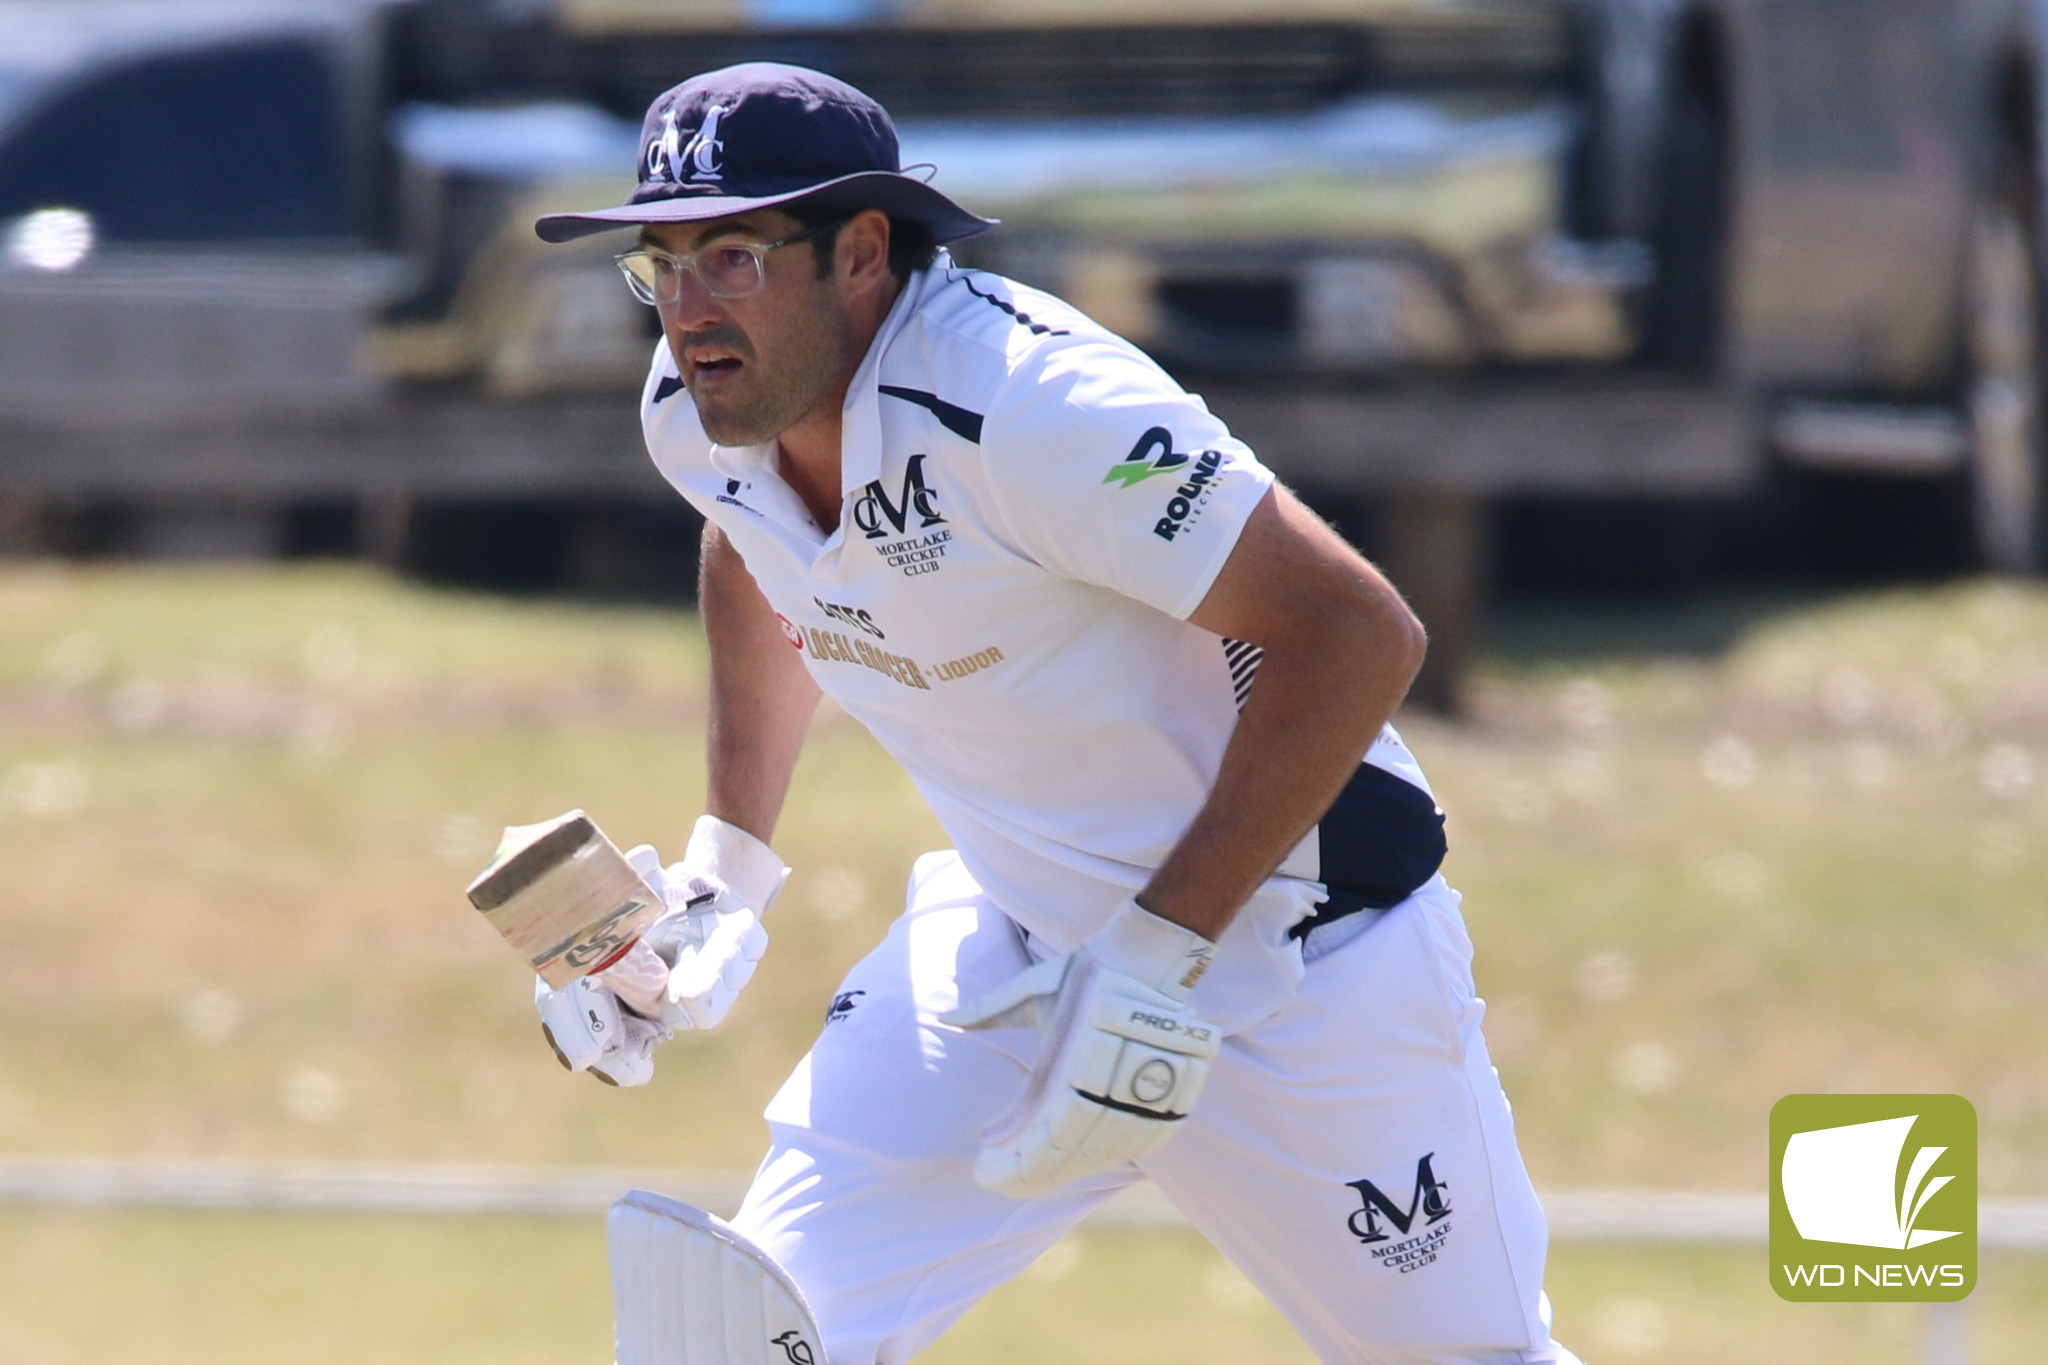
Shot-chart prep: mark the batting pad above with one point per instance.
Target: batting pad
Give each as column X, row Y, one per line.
column 688, row 1290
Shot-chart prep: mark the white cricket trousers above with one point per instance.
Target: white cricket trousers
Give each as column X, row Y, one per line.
column 1352, row 1153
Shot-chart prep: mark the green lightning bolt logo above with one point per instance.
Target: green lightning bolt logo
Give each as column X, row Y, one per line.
column 1153, row 454
column 1131, row 475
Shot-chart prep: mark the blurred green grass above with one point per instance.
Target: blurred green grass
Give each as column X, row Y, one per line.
column 248, row 1289
column 1796, row 846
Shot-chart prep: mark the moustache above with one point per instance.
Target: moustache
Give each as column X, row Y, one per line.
column 725, row 336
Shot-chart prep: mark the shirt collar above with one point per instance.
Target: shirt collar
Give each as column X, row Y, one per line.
column 860, row 428
column 742, row 462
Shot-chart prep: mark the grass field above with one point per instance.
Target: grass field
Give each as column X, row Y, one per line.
column 1788, row 846
column 252, row 1289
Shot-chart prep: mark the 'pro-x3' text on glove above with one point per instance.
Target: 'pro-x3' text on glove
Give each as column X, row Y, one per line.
column 1121, row 1056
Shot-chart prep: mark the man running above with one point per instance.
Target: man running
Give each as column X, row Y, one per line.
column 1191, row 928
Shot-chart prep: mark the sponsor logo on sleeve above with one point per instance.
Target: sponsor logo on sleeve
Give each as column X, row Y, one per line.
column 1154, row 454
column 1188, row 500
column 1404, row 1238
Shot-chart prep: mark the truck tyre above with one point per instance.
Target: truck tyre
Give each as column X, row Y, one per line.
column 2009, row 493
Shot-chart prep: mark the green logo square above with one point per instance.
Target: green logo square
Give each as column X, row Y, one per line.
column 1873, row 1198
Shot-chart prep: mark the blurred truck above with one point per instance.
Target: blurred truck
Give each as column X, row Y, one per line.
column 1428, row 252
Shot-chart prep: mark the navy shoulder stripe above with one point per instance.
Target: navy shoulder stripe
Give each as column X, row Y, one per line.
column 1022, row 319
column 956, row 419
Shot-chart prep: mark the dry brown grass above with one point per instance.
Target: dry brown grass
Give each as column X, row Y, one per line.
column 1810, row 863
column 237, row 808
column 250, row 1289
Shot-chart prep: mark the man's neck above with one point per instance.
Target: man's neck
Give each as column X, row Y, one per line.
column 808, row 461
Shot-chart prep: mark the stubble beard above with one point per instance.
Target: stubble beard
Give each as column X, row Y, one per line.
column 774, row 395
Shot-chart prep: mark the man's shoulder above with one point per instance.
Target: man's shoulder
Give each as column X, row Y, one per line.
column 981, row 308
column 1002, row 342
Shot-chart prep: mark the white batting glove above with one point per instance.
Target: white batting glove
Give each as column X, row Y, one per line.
column 591, row 1031
column 1121, row 1056
column 609, row 1023
column 684, row 971
column 711, row 936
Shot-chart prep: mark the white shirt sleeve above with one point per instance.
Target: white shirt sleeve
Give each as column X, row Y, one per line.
column 1105, row 470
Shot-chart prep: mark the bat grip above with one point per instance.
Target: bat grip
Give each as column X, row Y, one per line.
column 617, row 956
column 639, row 978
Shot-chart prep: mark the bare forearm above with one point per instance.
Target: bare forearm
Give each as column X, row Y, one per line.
column 761, row 697
column 1341, row 648
column 1300, row 737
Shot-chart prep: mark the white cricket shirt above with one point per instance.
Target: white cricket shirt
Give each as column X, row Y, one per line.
column 1031, row 509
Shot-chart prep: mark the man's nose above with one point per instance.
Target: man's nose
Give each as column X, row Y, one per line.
column 693, row 309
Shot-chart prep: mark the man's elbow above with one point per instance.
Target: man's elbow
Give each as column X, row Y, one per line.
column 1364, row 628
column 1412, row 644
column 1394, row 635
column 1376, row 633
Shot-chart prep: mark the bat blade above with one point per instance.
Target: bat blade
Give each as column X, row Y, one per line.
column 564, row 897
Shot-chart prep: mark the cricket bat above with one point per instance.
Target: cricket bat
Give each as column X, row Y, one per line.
column 564, row 897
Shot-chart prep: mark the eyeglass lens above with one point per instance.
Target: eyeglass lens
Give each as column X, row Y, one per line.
column 726, row 272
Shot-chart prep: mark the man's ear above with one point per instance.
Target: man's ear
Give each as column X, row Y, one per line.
column 861, row 251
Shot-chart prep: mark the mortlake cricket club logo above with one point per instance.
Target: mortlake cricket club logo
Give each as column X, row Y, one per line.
column 880, row 516
column 1406, row 1237
column 915, row 549
column 701, row 158
column 1873, row 1198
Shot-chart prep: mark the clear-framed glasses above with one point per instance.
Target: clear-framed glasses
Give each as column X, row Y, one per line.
column 726, row 270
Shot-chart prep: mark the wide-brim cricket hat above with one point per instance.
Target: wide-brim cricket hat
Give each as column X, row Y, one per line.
column 764, row 135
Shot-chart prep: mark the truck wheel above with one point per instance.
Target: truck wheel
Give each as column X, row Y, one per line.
column 2009, row 503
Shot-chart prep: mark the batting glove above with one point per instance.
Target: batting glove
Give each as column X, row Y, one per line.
column 1121, row 1056
column 684, row 971
column 590, row 1030
column 711, row 936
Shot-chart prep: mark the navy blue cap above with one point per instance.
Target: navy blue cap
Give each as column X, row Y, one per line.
column 765, row 135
